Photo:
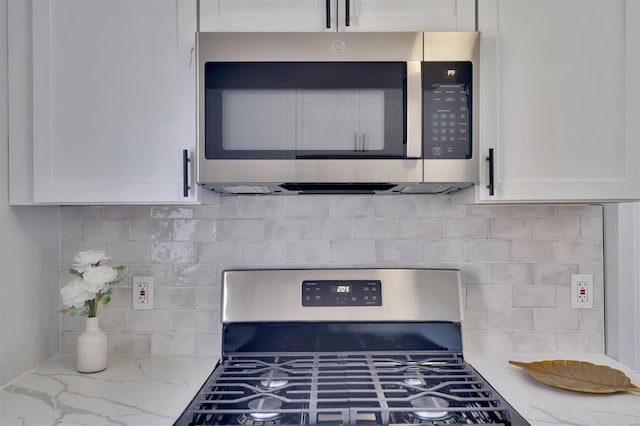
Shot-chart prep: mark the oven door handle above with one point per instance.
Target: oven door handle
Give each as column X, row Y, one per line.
column 414, row 109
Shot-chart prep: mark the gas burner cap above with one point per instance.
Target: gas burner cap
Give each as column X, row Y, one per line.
column 413, row 379
column 430, row 402
column 273, row 379
column 260, row 408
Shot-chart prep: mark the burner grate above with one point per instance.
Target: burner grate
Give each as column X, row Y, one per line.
column 350, row 388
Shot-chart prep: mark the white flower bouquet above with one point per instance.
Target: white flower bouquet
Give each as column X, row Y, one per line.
column 91, row 284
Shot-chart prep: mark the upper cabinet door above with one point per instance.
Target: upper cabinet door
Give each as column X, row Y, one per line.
column 268, row 15
column 337, row 15
column 559, row 99
column 114, row 100
column 406, row 15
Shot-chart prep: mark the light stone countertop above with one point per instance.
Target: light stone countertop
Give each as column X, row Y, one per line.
column 154, row 391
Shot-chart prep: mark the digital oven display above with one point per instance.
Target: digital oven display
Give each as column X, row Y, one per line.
column 342, row 293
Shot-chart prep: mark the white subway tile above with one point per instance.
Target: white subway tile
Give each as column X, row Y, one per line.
column 103, row 230
column 563, row 296
column 487, row 210
column 306, row 206
column 487, row 251
column 199, row 321
column 578, row 251
column 114, row 321
column 149, row 230
column 285, row 229
column 195, row 275
column 595, row 269
column 219, row 252
column 81, row 212
column 174, row 252
column 174, row 298
column 531, row 251
column 579, row 210
column 162, row 274
column 121, row 299
column 208, row 298
column 474, row 227
column 556, row 227
column 420, row 228
column 194, row 230
column 511, row 273
column 510, row 319
column 260, row 206
column 510, row 227
column 71, row 230
column 471, row 273
column 68, row 342
column 240, row 230
column 127, row 212
column 396, row 251
column 171, row 212
column 485, row 342
column 592, row 319
column 263, row 252
column 395, row 206
column 352, row 251
column 153, row 320
column 442, row 250
column 329, row 229
column 208, row 344
column 307, row 251
column 534, row 297
column 488, row 297
column 173, row 344
column 69, row 249
column 72, row 323
column 556, row 319
column 375, row 228
column 532, row 210
column 226, row 208
column 350, row 205
column 591, row 228
column 524, row 342
column 580, row 342
column 438, row 206
column 128, row 252
column 554, row 273
column 475, row 319
column 129, row 344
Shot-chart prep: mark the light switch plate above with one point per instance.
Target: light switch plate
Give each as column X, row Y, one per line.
column 582, row 291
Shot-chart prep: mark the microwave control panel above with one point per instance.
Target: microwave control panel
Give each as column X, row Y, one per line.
column 447, row 109
column 342, row 293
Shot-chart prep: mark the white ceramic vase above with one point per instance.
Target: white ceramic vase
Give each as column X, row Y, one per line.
column 92, row 348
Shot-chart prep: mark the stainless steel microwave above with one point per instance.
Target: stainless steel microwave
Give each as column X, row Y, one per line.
column 337, row 112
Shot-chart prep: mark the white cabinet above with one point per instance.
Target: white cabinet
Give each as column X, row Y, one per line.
column 337, row 15
column 559, row 99
column 113, row 100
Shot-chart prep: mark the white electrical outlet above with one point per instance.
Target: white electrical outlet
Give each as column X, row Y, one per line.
column 582, row 291
column 142, row 292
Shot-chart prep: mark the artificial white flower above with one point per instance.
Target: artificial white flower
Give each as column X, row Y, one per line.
column 85, row 259
column 75, row 293
column 97, row 278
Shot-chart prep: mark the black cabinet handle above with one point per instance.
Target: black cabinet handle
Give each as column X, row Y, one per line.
column 490, row 160
column 328, row 12
column 347, row 11
column 185, row 173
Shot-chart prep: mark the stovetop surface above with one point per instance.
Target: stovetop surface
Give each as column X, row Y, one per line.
column 383, row 387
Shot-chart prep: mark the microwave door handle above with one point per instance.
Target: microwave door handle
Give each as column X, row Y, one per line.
column 364, row 145
column 347, row 13
column 414, row 109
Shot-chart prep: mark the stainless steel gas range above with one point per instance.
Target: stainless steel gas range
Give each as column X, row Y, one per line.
column 344, row 346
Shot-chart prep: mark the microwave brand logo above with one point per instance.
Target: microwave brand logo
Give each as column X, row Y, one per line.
column 451, row 73
column 338, row 46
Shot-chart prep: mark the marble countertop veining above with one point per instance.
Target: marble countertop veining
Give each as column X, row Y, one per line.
column 154, row 390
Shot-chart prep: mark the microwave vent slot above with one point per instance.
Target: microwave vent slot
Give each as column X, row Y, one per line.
column 338, row 188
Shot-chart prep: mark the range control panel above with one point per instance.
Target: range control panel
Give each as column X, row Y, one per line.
column 342, row 293
column 447, row 109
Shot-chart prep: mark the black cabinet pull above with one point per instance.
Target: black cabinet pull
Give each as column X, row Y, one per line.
column 328, row 12
column 347, row 11
column 490, row 160
column 185, row 173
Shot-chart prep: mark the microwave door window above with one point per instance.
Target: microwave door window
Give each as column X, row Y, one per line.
column 290, row 110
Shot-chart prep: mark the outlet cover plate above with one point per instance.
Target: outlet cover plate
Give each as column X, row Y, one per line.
column 142, row 292
column 582, row 291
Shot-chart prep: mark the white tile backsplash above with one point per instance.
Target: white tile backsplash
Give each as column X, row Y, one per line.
column 515, row 262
